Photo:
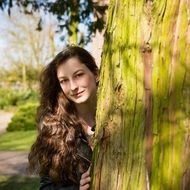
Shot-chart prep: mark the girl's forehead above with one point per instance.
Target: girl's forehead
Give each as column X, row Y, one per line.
column 71, row 66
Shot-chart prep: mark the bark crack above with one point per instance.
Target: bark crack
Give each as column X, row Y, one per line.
column 146, row 51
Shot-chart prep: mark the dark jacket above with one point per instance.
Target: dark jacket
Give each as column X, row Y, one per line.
column 84, row 152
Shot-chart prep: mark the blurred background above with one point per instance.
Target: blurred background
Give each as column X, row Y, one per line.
column 31, row 34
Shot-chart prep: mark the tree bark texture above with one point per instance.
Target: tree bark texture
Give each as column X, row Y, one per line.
column 143, row 116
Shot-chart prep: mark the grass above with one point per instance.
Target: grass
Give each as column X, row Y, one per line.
column 18, row 140
column 18, row 183
column 21, row 141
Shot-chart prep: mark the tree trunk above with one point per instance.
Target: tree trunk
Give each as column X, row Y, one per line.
column 143, row 115
column 73, row 39
column 74, row 22
column 24, row 80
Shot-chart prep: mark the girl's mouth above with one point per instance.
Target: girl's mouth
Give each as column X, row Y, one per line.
column 78, row 94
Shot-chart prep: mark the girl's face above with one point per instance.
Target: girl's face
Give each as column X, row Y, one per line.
column 77, row 81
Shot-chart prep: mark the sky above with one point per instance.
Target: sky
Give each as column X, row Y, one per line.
column 10, row 24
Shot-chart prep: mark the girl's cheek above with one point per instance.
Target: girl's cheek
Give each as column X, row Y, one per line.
column 64, row 89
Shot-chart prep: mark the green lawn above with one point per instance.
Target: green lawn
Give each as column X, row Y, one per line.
column 18, row 183
column 19, row 140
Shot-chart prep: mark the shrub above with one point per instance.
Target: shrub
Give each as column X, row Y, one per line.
column 11, row 97
column 24, row 118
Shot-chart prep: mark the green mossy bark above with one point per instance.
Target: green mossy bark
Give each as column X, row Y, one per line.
column 171, row 97
column 145, row 68
column 120, row 153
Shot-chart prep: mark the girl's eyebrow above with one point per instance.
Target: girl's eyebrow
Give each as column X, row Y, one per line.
column 78, row 71
column 61, row 77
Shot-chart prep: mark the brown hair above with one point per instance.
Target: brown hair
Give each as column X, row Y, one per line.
column 54, row 152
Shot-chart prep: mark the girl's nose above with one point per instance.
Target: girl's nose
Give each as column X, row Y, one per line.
column 73, row 85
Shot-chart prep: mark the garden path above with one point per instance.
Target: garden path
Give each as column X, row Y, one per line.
column 11, row 162
column 5, row 118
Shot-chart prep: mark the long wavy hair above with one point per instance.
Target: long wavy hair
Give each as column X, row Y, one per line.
column 54, row 152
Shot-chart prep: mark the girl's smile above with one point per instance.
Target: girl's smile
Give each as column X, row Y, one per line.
column 78, row 94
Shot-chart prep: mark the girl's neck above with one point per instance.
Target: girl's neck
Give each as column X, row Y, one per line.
column 87, row 112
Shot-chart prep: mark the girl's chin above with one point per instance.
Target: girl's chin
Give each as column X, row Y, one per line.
column 80, row 100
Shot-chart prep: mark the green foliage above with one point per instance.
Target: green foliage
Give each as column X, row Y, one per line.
column 20, row 140
column 18, row 183
column 24, row 118
column 10, row 97
column 14, row 75
column 73, row 11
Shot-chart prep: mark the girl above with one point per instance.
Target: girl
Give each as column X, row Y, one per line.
column 62, row 151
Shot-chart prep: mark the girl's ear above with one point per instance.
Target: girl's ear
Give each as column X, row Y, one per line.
column 97, row 76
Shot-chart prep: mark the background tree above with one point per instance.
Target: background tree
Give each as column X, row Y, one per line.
column 143, row 128
column 70, row 14
column 26, row 50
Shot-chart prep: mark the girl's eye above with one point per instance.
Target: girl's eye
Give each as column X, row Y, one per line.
column 78, row 75
column 63, row 81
